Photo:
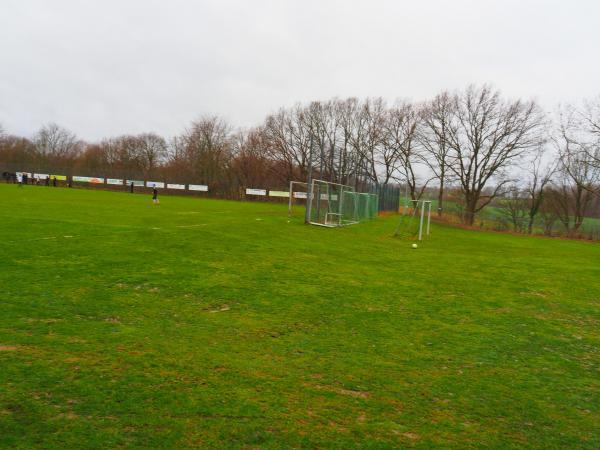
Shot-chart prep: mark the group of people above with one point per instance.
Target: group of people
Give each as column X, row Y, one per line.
column 22, row 178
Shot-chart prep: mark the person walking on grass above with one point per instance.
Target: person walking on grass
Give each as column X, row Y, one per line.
column 20, row 179
column 54, row 181
column 155, row 195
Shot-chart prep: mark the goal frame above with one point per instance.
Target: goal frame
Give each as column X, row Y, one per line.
column 327, row 223
column 291, row 199
column 425, row 204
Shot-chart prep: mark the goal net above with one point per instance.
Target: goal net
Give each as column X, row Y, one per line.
column 335, row 205
column 367, row 205
column 416, row 224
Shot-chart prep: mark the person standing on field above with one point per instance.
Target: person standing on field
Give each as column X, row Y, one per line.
column 155, row 195
column 53, row 181
column 20, row 179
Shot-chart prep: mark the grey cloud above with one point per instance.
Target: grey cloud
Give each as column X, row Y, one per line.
column 108, row 67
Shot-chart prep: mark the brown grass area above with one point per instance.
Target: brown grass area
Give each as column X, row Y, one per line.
column 8, row 348
column 338, row 390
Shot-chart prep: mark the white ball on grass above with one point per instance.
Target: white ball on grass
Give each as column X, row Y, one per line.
column 414, row 246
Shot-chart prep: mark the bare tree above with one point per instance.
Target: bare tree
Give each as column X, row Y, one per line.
column 287, row 140
column 487, row 135
column 56, row 145
column 250, row 164
column 590, row 118
column 150, row 152
column 570, row 204
column 578, row 143
column 16, row 151
column 403, row 156
column 541, row 169
column 206, row 150
column 547, row 212
column 573, row 192
column 514, row 206
column 433, row 135
column 347, row 162
column 133, row 155
column 370, row 136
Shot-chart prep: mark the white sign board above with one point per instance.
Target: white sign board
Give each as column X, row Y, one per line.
column 137, row 183
column 279, row 194
column 300, row 195
column 113, row 181
column 256, row 191
column 175, row 186
column 40, row 176
column 198, row 187
column 329, row 197
column 88, row 180
column 155, row 184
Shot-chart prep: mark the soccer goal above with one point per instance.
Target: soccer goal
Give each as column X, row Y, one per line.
column 335, row 205
column 298, row 196
column 332, row 204
column 417, row 223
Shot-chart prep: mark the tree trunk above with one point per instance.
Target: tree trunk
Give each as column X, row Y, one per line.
column 530, row 224
column 470, row 209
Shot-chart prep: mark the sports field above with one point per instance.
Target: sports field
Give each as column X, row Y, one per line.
column 220, row 324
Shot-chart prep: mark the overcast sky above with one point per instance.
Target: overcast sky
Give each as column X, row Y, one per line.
column 108, row 67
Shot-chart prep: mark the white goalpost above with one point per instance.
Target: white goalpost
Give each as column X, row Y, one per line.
column 407, row 228
column 298, row 192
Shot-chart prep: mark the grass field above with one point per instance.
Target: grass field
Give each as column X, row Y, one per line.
column 220, row 324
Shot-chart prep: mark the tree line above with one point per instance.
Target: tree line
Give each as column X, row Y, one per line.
column 475, row 143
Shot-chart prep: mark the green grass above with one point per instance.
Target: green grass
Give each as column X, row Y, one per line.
column 220, row 324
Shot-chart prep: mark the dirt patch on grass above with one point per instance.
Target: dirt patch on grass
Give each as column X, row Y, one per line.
column 42, row 320
column 540, row 294
column 8, row 348
column 353, row 393
column 341, row 391
column 411, row 436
